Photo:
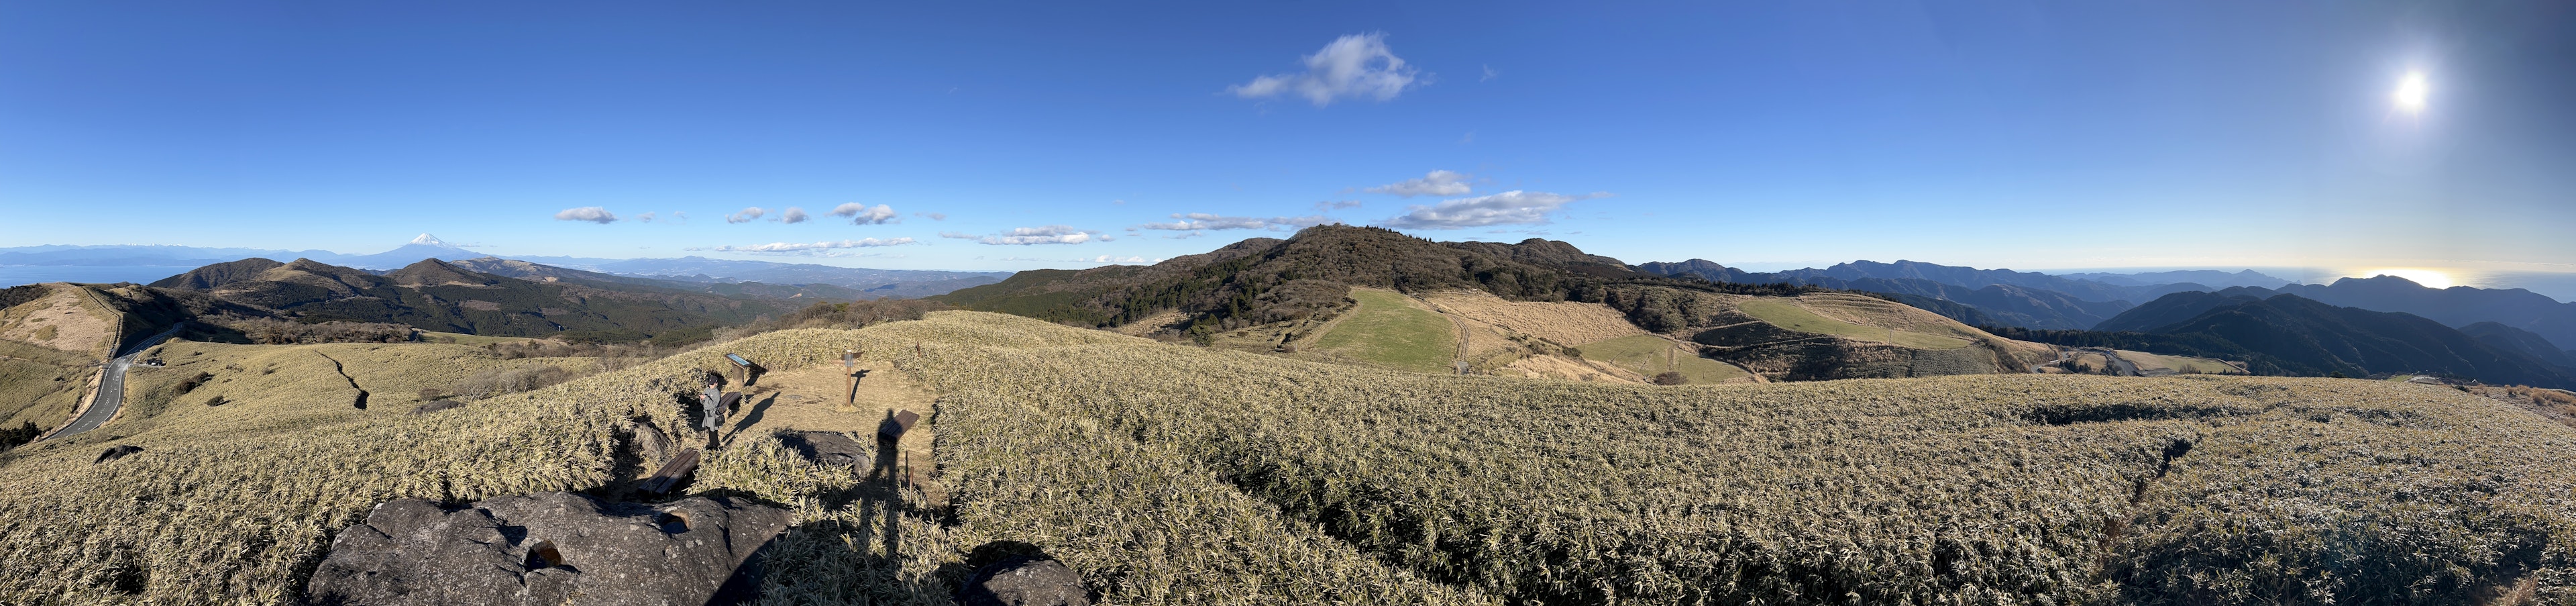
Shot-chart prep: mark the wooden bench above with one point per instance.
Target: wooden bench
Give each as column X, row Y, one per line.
column 672, row 472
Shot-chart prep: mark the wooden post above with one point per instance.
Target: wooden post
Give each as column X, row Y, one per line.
column 850, row 370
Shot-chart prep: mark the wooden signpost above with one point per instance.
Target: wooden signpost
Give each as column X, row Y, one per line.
column 750, row 371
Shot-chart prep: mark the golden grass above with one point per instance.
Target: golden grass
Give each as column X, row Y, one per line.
column 1564, row 322
column 1793, row 316
column 2181, row 364
column 67, row 318
column 1178, row 475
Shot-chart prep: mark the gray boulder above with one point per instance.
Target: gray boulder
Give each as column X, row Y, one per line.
column 548, row 548
column 1025, row 581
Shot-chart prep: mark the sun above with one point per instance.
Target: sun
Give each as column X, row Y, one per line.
column 2411, row 92
column 2430, row 278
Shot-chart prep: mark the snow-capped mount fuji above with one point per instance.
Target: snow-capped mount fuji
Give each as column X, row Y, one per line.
column 423, row 247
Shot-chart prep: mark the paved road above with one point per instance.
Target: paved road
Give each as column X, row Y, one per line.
column 111, row 389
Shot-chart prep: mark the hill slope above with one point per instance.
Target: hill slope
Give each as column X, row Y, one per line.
column 1261, row 294
column 439, row 296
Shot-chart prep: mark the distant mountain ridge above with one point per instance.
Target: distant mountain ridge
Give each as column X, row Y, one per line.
column 2296, row 335
column 439, row 296
column 860, row 283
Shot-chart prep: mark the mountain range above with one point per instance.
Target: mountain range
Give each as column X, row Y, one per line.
column 865, row 283
column 439, row 296
column 2284, row 333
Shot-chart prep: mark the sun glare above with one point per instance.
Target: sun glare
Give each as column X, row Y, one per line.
column 2411, row 92
column 2430, row 278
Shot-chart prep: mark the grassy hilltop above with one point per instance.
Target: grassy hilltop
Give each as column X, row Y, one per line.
column 1183, row 475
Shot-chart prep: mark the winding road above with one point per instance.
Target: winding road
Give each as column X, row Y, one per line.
column 111, row 389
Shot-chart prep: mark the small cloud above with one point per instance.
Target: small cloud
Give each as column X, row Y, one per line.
column 1051, row 234
column 1514, row 207
column 861, row 214
column 1332, row 205
column 793, row 215
column 592, row 214
column 1185, row 235
column 679, row 217
column 1111, row 259
column 1118, row 202
column 1437, row 183
column 1470, row 138
column 1489, row 74
column 646, row 217
column 823, row 249
column 1358, row 65
column 933, row 216
column 958, row 235
column 1199, row 221
column 747, row 215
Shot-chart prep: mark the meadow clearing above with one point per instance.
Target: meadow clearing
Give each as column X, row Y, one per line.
column 1391, row 330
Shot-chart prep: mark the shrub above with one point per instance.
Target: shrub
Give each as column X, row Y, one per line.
column 25, row 432
column 1669, row 378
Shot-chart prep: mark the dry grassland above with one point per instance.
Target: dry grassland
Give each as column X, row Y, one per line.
column 1563, row 322
column 65, row 319
column 1179, row 475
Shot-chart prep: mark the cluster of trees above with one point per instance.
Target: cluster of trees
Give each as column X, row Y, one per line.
column 272, row 331
column 855, row 314
column 23, row 433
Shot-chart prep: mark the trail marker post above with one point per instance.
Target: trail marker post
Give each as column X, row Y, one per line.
column 850, row 368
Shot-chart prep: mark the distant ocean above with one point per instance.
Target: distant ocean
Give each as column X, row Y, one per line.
column 13, row 275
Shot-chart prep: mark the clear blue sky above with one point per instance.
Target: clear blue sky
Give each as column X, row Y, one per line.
column 2092, row 134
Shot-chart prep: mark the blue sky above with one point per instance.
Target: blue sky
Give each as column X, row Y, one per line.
column 962, row 135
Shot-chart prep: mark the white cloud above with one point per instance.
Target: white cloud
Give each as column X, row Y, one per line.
column 679, row 217
column 1330, row 205
column 1185, row 235
column 592, row 214
column 1514, row 207
column 646, row 217
column 793, row 215
column 1490, row 74
column 1113, row 259
column 933, row 216
column 861, row 214
column 1437, row 183
column 1351, row 66
column 1199, row 221
column 825, row 248
column 1051, row 234
column 747, row 215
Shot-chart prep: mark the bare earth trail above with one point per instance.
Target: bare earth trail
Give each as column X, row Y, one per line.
column 111, row 389
column 804, row 400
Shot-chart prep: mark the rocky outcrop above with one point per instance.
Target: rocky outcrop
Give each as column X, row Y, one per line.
column 548, row 548
column 1025, row 581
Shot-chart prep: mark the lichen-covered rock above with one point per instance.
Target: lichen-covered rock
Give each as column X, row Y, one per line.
column 548, row 548
column 1025, row 581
